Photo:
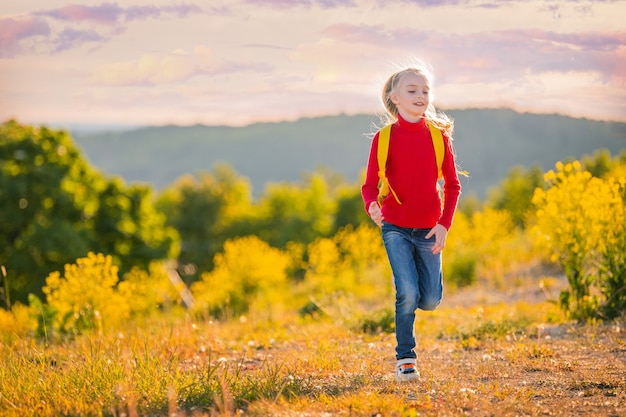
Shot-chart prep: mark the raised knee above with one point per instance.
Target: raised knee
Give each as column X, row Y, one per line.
column 429, row 304
column 407, row 303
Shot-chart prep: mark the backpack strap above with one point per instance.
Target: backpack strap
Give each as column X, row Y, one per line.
column 383, row 149
column 384, row 137
column 437, row 138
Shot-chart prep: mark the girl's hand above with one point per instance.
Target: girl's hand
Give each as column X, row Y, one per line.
column 374, row 211
column 440, row 233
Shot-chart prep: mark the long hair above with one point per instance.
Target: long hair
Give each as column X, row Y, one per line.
column 441, row 120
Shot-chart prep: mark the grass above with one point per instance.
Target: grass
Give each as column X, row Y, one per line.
column 503, row 359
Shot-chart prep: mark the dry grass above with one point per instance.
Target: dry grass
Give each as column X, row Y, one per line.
column 496, row 358
column 564, row 370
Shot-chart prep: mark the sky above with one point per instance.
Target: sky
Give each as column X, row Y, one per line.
column 236, row 62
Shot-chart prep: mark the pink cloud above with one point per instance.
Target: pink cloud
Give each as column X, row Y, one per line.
column 183, row 10
column 179, row 66
column 433, row 3
column 490, row 4
column 544, row 51
column 147, row 12
column 142, row 12
column 157, row 69
column 112, row 13
column 500, row 54
column 348, row 32
column 13, row 30
column 327, row 4
column 70, row 38
column 106, row 13
column 600, row 41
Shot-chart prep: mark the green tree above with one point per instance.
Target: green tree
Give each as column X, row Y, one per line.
column 129, row 227
column 48, row 195
column 350, row 209
column 206, row 211
column 515, row 192
column 54, row 206
column 296, row 212
column 601, row 162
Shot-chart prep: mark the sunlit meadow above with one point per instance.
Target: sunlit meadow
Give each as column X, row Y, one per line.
column 532, row 324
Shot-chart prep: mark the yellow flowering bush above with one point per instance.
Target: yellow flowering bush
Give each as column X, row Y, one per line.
column 353, row 261
column 485, row 244
column 459, row 257
column 580, row 220
column 325, row 271
column 148, row 291
column 16, row 323
column 248, row 274
column 85, row 297
column 347, row 277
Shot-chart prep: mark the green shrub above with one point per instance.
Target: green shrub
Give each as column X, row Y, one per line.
column 461, row 269
column 382, row 320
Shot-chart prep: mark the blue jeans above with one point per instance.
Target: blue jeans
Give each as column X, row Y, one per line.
column 417, row 278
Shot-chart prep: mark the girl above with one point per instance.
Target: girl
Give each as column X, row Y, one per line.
column 413, row 220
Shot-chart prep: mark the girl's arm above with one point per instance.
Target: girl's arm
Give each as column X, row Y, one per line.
column 369, row 189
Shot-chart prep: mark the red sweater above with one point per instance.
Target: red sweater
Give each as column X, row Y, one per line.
column 412, row 174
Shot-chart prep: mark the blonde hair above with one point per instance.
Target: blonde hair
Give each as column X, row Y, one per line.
column 441, row 120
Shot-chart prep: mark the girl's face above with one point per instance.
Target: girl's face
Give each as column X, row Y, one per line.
column 412, row 96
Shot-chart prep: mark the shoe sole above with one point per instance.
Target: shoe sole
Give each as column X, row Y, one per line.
column 407, row 377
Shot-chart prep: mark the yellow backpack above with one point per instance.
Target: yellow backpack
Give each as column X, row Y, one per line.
column 383, row 149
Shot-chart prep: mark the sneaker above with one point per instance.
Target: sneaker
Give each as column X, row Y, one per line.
column 406, row 370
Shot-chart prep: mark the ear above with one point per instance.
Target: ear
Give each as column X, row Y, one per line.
column 394, row 98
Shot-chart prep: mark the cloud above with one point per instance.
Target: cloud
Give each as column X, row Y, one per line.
column 329, row 4
column 281, row 58
column 599, row 41
column 326, row 4
column 478, row 56
column 65, row 31
column 348, row 48
column 504, row 54
column 142, row 12
column 265, row 46
column 148, row 12
column 184, row 10
column 112, row 13
column 154, row 69
column 434, row 3
column 177, row 66
column 15, row 30
column 348, row 32
column 106, row 13
column 492, row 4
column 70, row 38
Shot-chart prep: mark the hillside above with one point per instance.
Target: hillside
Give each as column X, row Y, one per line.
column 488, row 144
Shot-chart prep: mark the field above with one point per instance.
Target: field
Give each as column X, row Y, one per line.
column 484, row 352
column 532, row 322
column 283, row 306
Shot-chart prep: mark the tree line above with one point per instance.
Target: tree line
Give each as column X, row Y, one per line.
column 56, row 208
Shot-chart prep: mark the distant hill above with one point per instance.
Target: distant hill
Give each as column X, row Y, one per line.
column 488, row 144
